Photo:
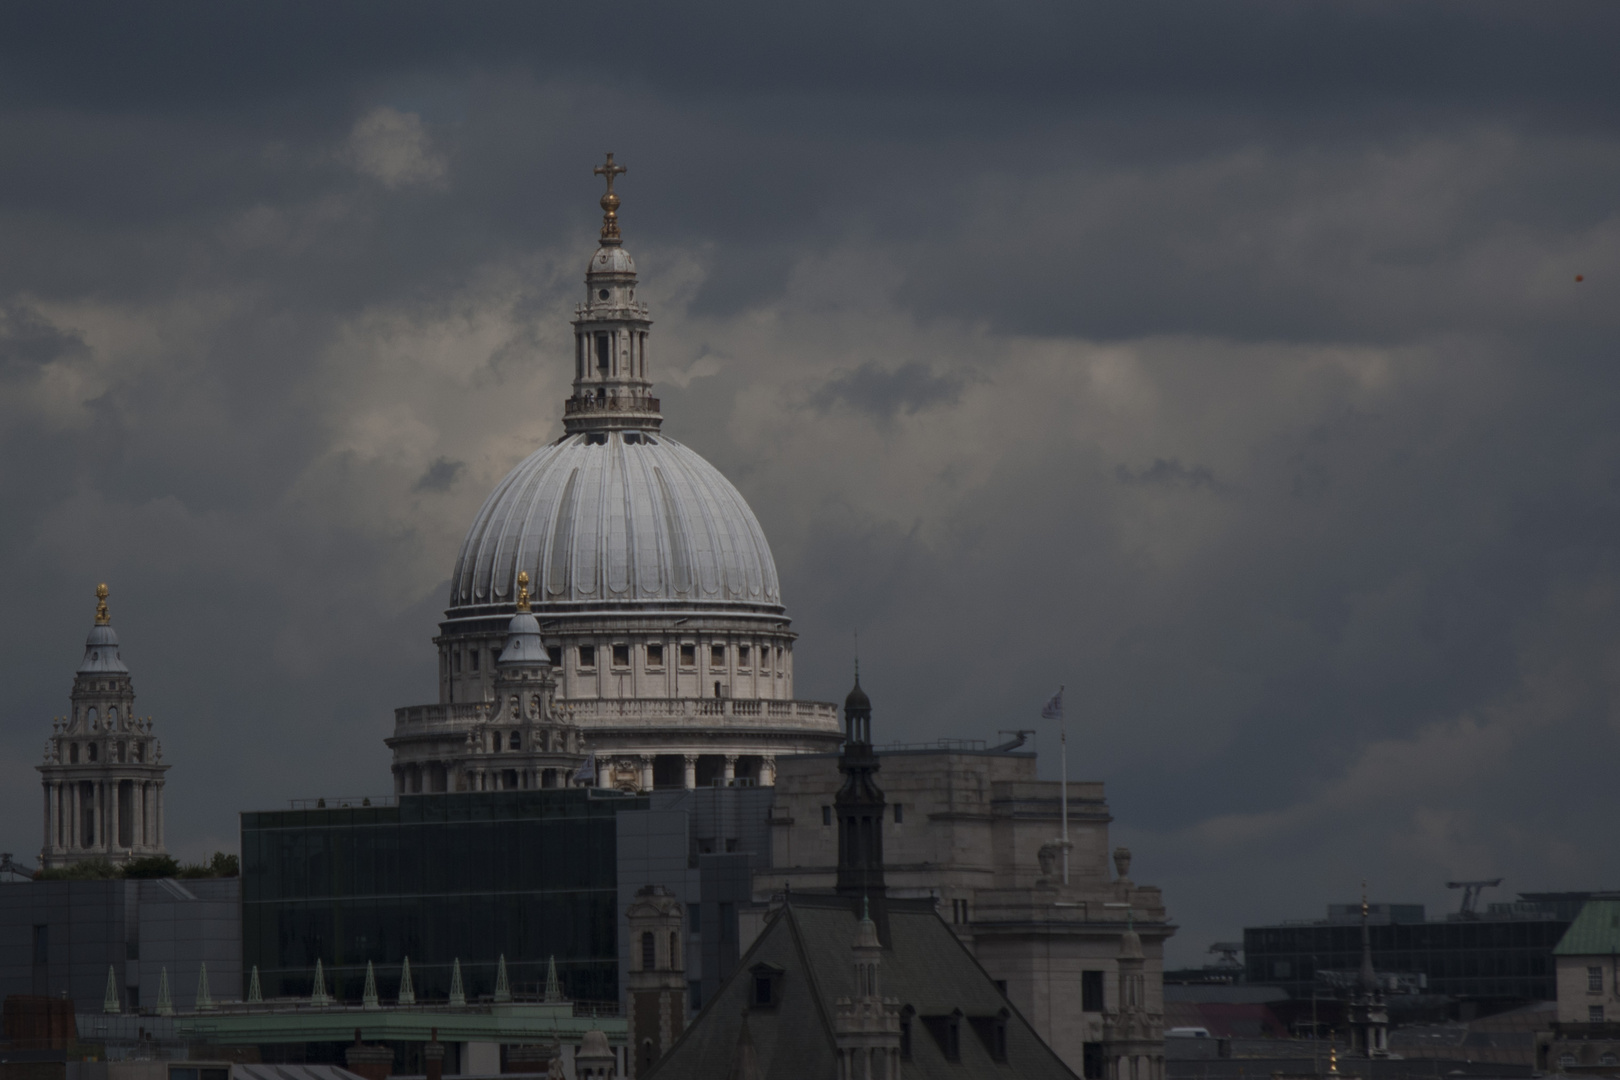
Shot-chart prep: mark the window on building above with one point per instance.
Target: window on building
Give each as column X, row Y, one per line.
column 742, row 655
column 674, row 950
column 959, row 911
column 1091, row 1061
column 899, row 814
column 92, row 748
column 826, row 811
column 602, row 353
column 688, row 655
column 515, row 742
column 455, row 661
column 554, row 654
column 717, row 657
column 587, row 656
column 767, row 986
column 953, row 1037
column 621, row 656
column 1594, row 980
column 1594, row 1014
column 655, row 655
column 472, row 658
column 649, row 951
column 140, row 753
column 1091, row 991
column 73, row 753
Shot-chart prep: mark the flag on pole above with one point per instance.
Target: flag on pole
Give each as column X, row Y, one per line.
column 1053, row 709
column 587, row 770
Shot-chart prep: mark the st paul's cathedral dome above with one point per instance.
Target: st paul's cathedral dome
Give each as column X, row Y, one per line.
column 666, row 642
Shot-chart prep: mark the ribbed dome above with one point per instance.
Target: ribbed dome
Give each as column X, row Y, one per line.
column 634, row 519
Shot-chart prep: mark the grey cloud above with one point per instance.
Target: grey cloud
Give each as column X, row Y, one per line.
column 440, row 475
column 1167, row 473
column 886, row 393
column 28, row 340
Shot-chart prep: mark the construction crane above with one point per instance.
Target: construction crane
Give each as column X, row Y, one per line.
column 1471, row 890
column 7, row 866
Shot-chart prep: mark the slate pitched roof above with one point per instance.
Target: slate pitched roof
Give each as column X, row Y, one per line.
column 1595, row 931
column 925, row 966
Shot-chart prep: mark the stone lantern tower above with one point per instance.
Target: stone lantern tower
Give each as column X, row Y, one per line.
column 657, row 976
column 103, row 768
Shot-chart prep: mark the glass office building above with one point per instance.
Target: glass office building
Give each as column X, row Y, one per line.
column 468, row 876
column 1501, row 955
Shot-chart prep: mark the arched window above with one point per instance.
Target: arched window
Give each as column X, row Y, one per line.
column 92, row 717
column 649, row 951
column 674, row 950
column 516, row 741
column 92, row 749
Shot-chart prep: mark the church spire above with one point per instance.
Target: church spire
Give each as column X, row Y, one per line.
column 860, row 807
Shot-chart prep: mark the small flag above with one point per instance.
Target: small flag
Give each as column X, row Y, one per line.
column 1053, row 709
column 587, row 771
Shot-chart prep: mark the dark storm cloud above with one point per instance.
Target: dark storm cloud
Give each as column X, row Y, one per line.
column 885, row 394
column 440, row 475
column 1225, row 362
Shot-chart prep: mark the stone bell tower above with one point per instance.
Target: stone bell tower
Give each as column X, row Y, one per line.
column 657, row 976
column 103, row 768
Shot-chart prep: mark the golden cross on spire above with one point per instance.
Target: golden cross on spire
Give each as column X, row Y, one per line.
column 610, row 201
column 523, row 590
column 102, row 618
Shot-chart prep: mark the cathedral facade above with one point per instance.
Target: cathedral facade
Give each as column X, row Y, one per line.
column 666, row 641
column 103, row 768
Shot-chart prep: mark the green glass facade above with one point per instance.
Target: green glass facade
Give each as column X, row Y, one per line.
column 471, row 876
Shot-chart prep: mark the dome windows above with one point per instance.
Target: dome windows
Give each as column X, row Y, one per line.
column 602, row 294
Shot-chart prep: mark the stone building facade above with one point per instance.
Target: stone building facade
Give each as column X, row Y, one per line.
column 976, row 831
column 651, row 579
column 103, row 769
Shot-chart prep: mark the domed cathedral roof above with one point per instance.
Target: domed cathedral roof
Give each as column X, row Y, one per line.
column 614, row 515
column 635, row 519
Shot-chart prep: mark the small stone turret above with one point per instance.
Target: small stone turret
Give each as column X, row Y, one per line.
column 866, row 1027
column 103, row 768
column 860, row 805
column 657, row 975
column 1133, row 1033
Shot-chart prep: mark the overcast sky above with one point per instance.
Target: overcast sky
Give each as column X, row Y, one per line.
column 1227, row 363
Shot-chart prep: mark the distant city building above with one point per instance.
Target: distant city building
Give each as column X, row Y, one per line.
column 652, row 581
column 1498, row 957
column 103, row 769
column 1586, row 1038
column 974, row 831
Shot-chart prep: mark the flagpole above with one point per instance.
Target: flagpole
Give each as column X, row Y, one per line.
column 1063, row 772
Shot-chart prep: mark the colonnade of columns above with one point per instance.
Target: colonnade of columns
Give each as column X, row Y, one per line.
column 89, row 816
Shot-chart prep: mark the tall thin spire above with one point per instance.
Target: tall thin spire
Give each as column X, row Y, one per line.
column 1368, row 977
